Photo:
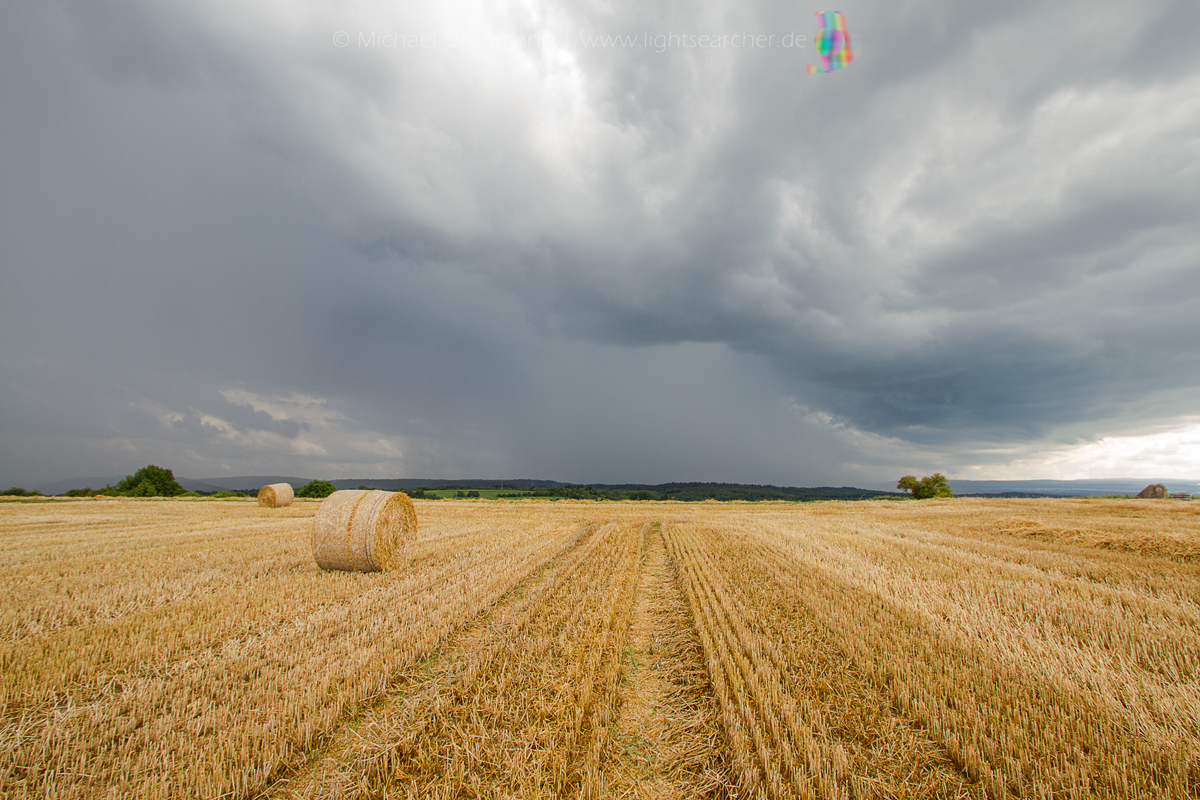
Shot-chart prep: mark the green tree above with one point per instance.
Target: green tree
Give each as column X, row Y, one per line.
column 473, row 493
column 150, row 481
column 316, row 489
column 934, row 485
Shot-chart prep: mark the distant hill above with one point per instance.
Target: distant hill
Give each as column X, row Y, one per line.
column 693, row 492
column 673, row 491
column 400, row 484
column 688, row 492
column 61, row 487
column 239, row 484
column 246, row 483
column 193, row 485
column 1081, row 488
column 58, row 487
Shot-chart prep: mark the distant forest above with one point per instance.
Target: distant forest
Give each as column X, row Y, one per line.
column 696, row 492
column 151, row 481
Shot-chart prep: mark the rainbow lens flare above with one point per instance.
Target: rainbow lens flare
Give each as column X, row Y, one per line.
column 832, row 42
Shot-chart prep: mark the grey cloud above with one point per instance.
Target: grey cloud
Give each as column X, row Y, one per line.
column 961, row 239
column 245, row 417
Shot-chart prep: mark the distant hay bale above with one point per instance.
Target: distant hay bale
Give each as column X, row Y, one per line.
column 276, row 495
column 363, row 530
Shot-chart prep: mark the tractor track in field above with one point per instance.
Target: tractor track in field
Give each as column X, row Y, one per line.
column 653, row 734
column 592, row 651
column 666, row 741
column 323, row 773
column 304, row 778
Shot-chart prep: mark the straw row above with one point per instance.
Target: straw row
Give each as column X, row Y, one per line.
column 778, row 750
column 522, row 710
column 1013, row 702
column 213, row 696
column 855, row 743
column 892, row 650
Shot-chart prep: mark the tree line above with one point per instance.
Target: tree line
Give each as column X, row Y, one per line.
column 155, row 481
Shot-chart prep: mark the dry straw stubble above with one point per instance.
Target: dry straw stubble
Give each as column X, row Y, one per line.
column 276, row 495
column 363, row 531
column 212, row 658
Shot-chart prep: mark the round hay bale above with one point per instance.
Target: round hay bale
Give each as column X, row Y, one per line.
column 276, row 495
column 362, row 530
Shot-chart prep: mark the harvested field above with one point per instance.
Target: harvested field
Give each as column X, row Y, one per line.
column 964, row 648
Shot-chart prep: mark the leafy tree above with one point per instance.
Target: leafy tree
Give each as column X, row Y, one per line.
column 150, row 481
column 316, row 489
column 17, row 491
column 934, row 485
column 473, row 493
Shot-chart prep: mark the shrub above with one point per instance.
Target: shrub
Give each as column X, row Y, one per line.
column 317, row 490
column 150, row 481
column 934, row 485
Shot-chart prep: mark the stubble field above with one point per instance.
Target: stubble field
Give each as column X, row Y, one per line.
column 965, row 648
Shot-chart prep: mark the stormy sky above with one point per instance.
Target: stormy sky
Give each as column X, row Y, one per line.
column 599, row 241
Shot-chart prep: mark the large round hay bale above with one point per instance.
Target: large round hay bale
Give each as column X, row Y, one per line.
column 276, row 495
column 363, row 530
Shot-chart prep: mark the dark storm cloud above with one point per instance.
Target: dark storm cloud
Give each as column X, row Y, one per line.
column 251, row 245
